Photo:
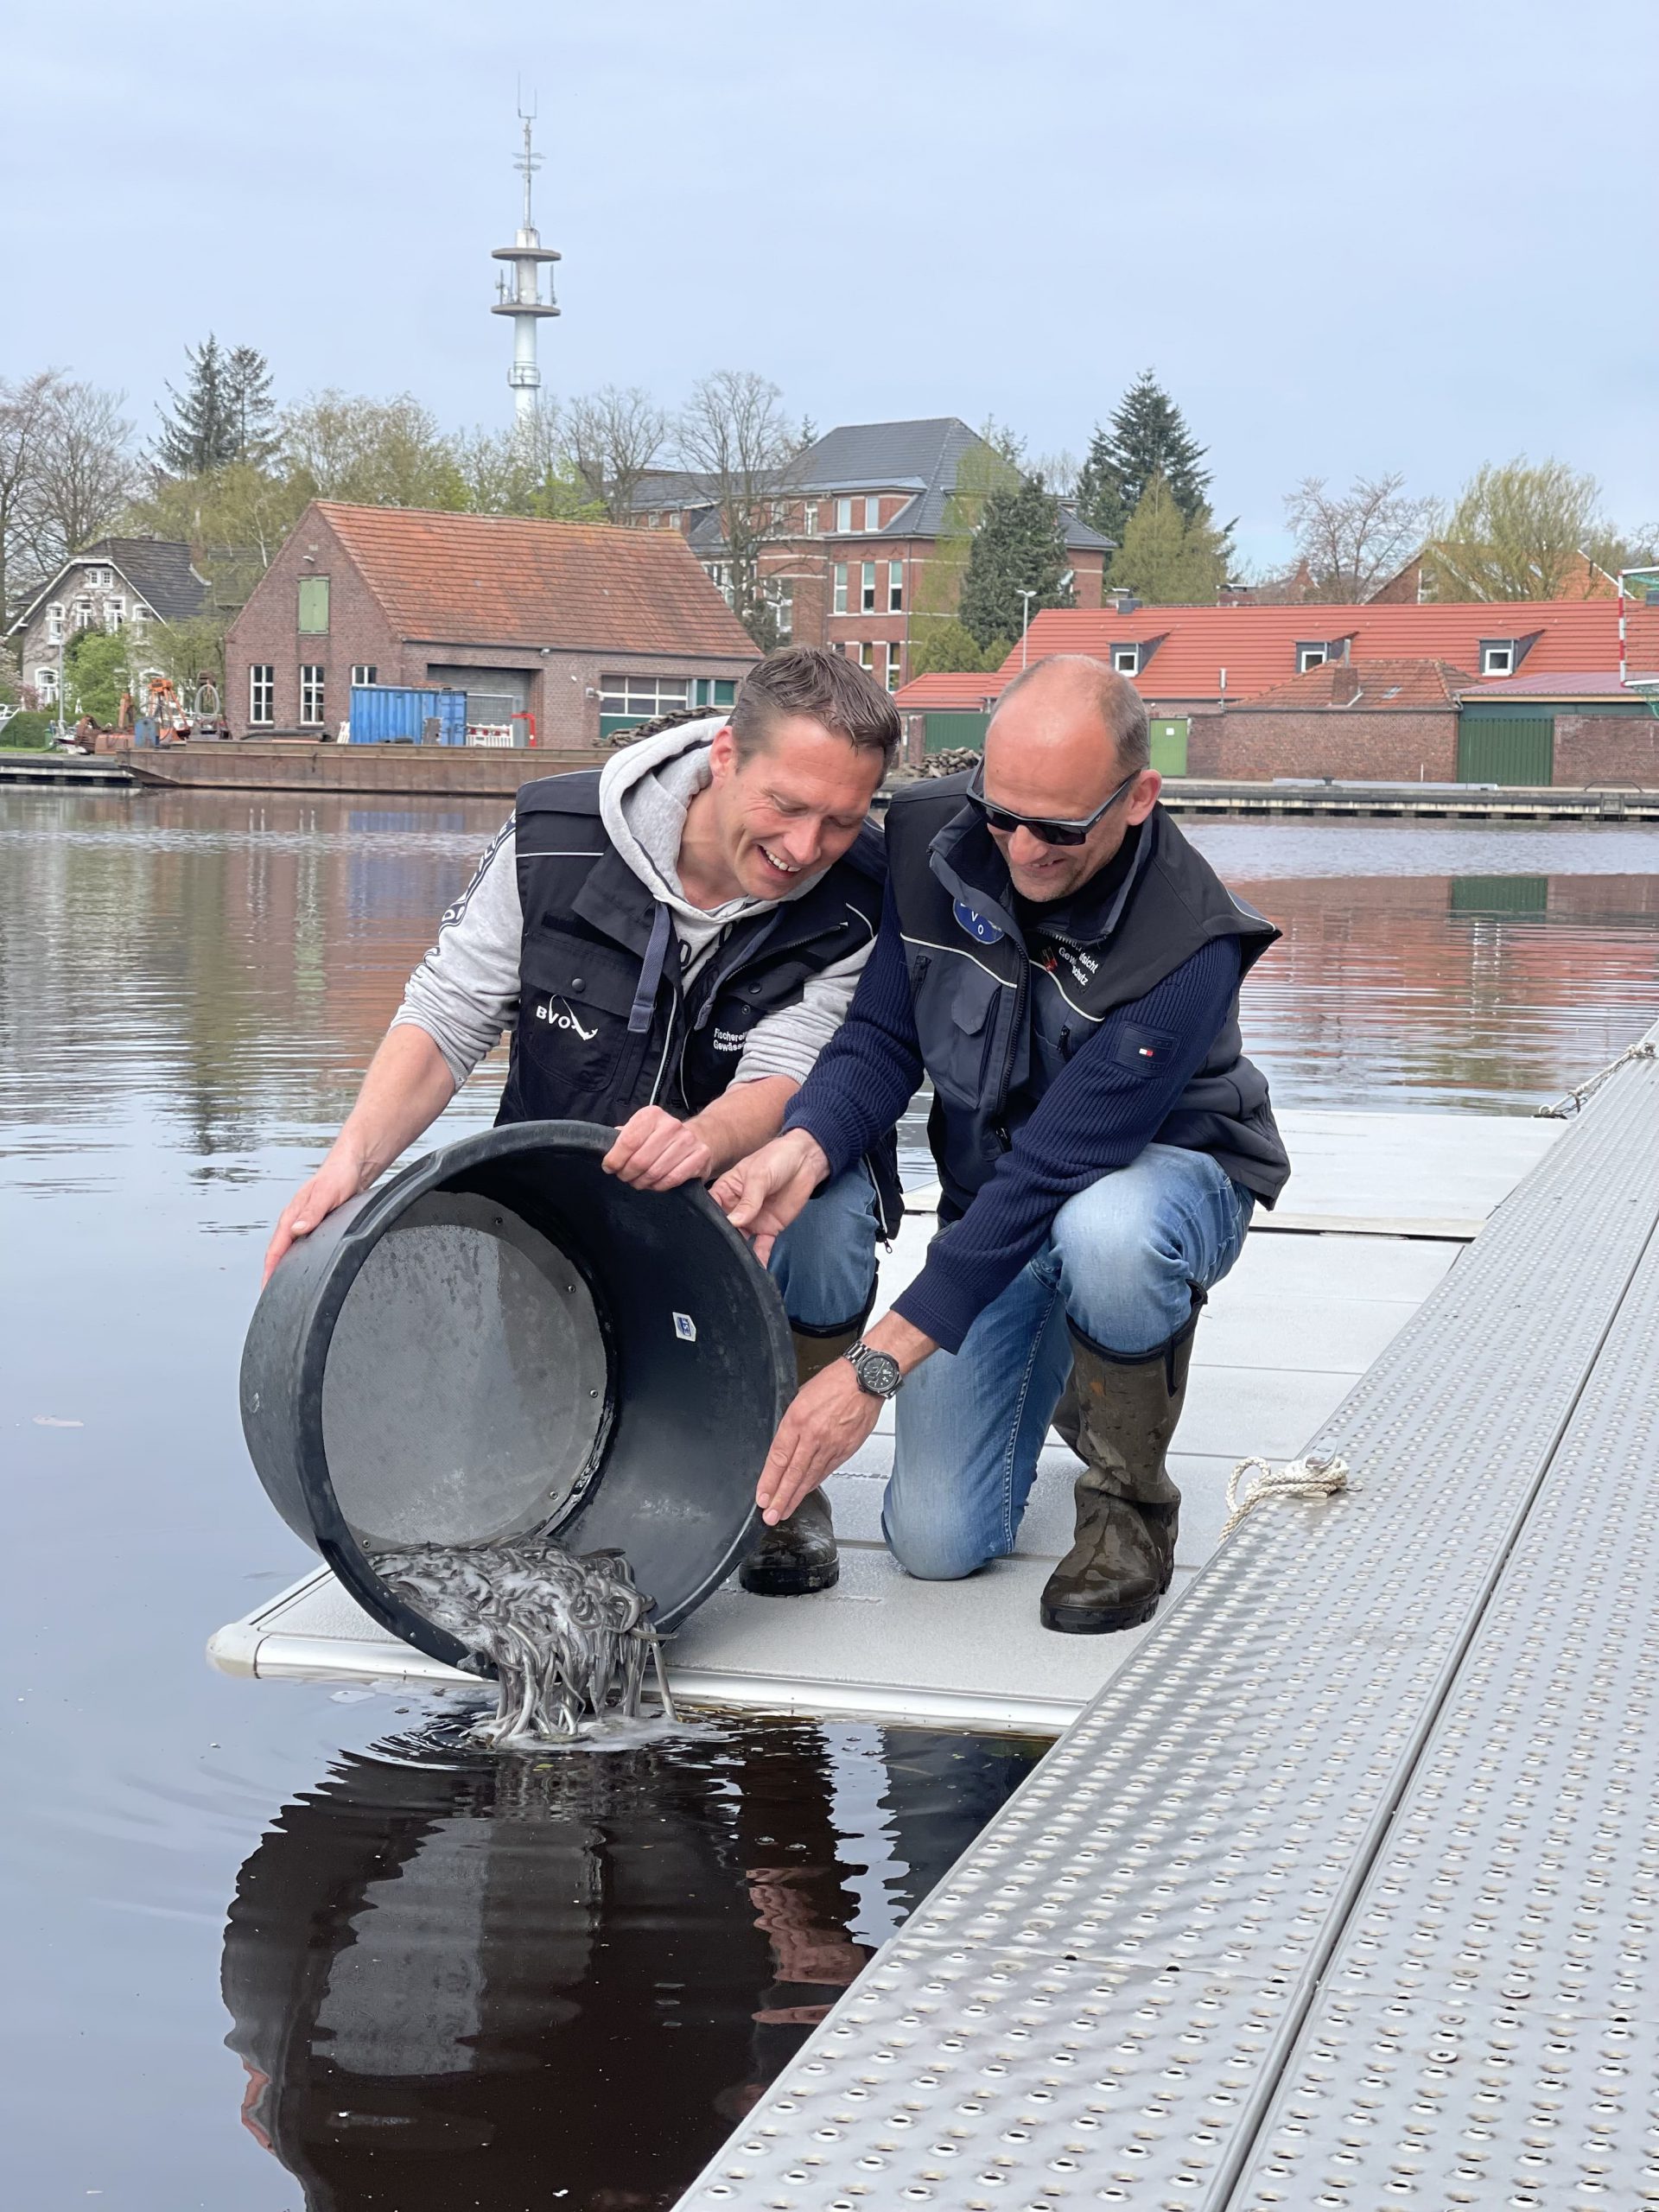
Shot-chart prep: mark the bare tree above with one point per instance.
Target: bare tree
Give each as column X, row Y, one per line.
column 734, row 434
column 26, row 409
column 613, row 439
column 1354, row 541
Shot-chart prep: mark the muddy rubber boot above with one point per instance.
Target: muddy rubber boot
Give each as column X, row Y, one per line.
column 1127, row 1509
column 798, row 1555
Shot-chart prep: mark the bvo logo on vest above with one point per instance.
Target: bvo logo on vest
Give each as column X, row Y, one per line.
column 980, row 927
column 557, row 1015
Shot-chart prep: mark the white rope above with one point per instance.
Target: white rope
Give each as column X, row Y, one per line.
column 1564, row 1109
column 1312, row 1476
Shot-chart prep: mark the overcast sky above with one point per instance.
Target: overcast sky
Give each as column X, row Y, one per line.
column 1417, row 236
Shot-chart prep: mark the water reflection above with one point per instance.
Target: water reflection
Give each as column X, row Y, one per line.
column 505, row 1982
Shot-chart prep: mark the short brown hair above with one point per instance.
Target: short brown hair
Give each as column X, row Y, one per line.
column 828, row 687
column 1115, row 700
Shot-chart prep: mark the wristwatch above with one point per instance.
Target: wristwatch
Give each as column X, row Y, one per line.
column 879, row 1373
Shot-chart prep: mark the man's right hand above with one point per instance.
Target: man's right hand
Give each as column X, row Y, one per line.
column 764, row 1193
column 337, row 1179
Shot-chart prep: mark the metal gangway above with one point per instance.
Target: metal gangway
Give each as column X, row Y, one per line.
column 1343, row 1894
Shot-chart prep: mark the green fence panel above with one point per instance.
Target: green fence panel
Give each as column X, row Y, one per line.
column 1500, row 894
column 1169, row 745
column 1506, row 749
column 940, row 732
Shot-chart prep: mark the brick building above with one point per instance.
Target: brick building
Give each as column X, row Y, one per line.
column 855, row 527
column 584, row 628
column 1471, row 691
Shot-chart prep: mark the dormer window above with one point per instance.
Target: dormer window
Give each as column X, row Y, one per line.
column 1312, row 654
column 1126, row 660
column 1498, row 656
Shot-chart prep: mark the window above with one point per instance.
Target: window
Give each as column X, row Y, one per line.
column 310, row 693
column 46, row 686
column 843, row 514
column 895, row 657
column 1498, row 656
column 809, row 518
column 54, row 623
column 364, row 671
column 782, row 607
column 1126, row 659
column 1312, row 655
column 83, row 613
column 867, row 657
column 642, row 698
column 98, row 578
column 872, row 514
column 867, row 589
column 114, row 612
column 895, row 587
column 313, row 607
column 838, row 604
column 713, row 692
column 262, row 693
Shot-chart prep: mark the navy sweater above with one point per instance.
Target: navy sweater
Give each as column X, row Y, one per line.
column 1097, row 1114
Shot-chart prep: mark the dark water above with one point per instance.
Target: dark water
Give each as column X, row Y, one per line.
column 448, row 1981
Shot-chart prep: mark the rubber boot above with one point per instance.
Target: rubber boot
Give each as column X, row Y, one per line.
column 798, row 1555
column 1127, row 1509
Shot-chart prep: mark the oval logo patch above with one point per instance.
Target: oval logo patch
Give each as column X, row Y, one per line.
column 978, row 926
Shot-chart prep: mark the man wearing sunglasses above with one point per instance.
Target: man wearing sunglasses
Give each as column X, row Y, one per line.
column 1065, row 967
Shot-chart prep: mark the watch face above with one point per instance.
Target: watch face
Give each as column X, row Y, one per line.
column 879, row 1373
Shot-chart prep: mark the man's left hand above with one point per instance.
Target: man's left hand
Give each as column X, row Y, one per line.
column 654, row 1152
column 824, row 1426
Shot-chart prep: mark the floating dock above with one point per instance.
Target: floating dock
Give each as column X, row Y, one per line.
column 1344, row 1892
column 1379, row 1208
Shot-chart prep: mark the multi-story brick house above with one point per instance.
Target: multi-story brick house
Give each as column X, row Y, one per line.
column 585, row 628
column 117, row 583
column 854, row 528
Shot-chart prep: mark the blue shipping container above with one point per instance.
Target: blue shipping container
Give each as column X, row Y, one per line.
column 387, row 714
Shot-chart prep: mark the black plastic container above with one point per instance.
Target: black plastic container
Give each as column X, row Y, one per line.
column 504, row 1338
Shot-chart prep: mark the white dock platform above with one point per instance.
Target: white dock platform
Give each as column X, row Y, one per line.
column 1378, row 1209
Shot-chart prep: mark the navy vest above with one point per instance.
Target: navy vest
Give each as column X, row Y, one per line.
column 605, row 1025
column 997, row 1017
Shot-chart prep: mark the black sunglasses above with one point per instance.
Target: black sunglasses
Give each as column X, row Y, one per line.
column 1040, row 825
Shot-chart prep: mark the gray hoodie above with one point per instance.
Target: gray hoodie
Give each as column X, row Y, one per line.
column 465, row 992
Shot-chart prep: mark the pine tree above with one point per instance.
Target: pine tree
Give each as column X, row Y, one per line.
column 248, row 406
column 1020, row 545
column 1146, row 437
column 1169, row 559
column 200, row 434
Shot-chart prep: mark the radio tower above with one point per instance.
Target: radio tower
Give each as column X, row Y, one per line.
column 524, row 301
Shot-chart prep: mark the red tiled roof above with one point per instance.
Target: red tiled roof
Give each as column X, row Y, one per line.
column 1256, row 645
column 1562, row 684
column 957, row 694
column 1398, row 686
column 510, row 580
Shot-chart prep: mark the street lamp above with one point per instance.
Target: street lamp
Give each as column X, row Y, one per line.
column 1026, row 598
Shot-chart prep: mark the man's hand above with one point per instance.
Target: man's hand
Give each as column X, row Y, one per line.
column 826, row 1422
column 764, row 1193
column 341, row 1176
column 830, row 1418
column 654, row 1152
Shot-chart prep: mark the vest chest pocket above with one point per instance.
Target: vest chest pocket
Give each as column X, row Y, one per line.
column 956, row 1008
column 574, row 1043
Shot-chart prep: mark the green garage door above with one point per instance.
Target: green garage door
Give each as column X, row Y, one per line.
column 942, row 732
column 1506, row 748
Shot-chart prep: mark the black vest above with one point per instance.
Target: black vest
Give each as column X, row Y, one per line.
column 997, row 1019
column 605, row 1025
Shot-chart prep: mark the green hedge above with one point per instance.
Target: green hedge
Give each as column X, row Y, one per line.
column 29, row 730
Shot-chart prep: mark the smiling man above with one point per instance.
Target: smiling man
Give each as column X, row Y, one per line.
column 1065, row 967
column 672, row 939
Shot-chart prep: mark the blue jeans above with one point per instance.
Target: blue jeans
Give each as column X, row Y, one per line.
column 825, row 1263
column 1120, row 1264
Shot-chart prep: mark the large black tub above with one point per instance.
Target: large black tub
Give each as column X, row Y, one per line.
column 504, row 1338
